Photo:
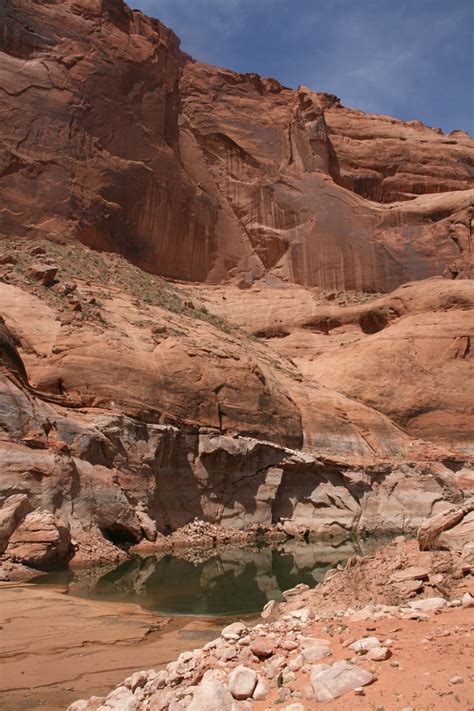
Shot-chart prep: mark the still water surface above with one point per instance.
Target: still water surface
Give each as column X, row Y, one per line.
column 225, row 581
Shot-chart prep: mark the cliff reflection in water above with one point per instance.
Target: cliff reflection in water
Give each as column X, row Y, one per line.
column 224, row 581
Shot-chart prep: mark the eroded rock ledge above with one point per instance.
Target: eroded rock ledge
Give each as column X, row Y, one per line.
column 112, row 481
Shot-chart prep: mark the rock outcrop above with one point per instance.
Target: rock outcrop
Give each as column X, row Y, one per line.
column 101, row 473
column 204, row 174
column 407, row 354
column 40, row 541
column 453, row 529
column 283, row 388
column 12, row 513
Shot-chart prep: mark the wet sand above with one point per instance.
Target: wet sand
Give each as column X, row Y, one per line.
column 55, row 648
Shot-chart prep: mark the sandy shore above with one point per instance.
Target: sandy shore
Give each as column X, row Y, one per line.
column 55, row 648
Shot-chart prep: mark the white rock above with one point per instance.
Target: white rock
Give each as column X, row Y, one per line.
column 366, row 613
column 122, row 699
column 454, row 603
column 294, row 707
column 212, row 696
column 227, row 653
column 338, row 680
column 270, row 610
column 158, row 701
column 185, row 657
column 302, row 587
column 467, row 600
column 428, row 603
column 176, row 706
column 296, row 664
column 234, row 631
column 379, row 654
column 136, row 681
column 316, row 668
column 242, row 682
column 212, row 644
column 214, row 675
column 126, row 703
column 365, row 643
column 261, row 690
column 79, row 705
column 456, row 680
column 289, row 644
column 312, row 641
column 158, row 682
column 305, row 614
column 316, row 652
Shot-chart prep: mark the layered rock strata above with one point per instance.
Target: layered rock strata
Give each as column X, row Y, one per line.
column 285, row 386
column 200, row 173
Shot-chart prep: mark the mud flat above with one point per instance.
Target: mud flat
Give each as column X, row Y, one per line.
column 55, row 648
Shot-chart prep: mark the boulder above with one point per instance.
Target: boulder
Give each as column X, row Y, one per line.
column 13, row 511
column 379, row 654
column 338, row 680
column 316, row 652
column 270, row 611
column 147, row 525
column 364, row 644
column 234, row 631
column 467, row 600
column 262, row 647
column 450, row 530
column 45, row 273
column 242, row 682
column 260, row 692
column 428, row 604
column 211, row 695
column 40, row 541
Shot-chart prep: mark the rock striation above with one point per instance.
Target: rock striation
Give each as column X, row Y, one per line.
column 203, row 174
column 310, row 377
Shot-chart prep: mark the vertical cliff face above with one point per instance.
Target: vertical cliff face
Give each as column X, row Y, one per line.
column 91, row 100
column 113, row 136
column 129, row 404
column 280, row 157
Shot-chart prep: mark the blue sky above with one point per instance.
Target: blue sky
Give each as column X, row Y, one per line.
column 405, row 58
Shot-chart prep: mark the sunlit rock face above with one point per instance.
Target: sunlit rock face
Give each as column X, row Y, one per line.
column 112, row 135
column 273, row 386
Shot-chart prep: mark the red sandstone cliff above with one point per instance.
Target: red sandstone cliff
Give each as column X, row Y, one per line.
column 119, row 391
column 110, row 134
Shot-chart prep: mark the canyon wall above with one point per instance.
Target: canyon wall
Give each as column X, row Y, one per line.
column 109, row 478
column 113, row 136
column 312, row 369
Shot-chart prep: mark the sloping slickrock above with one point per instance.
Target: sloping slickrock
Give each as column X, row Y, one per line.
column 122, row 412
column 407, row 354
column 109, row 462
column 200, row 377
